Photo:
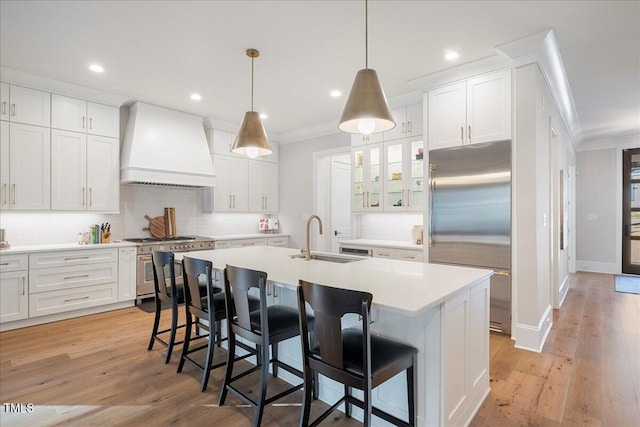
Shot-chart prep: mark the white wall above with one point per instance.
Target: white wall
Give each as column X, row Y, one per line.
column 297, row 183
column 136, row 201
column 596, row 201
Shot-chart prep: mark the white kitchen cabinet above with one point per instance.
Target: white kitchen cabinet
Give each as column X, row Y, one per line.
column 4, row 101
column 359, row 139
column 231, row 193
column 401, row 254
column 24, row 105
column 279, row 241
column 61, row 281
column 243, row 243
column 221, row 142
column 366, row 168
column 127, row 274
column 84, row 172
column 471, row 111
column 408, row 122
column 263, row 187
column 26, row 176
column 466, row 344
column 14, row 291
column 404, row 175
column 78, row 115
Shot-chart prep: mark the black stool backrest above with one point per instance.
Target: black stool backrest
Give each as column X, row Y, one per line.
column 196, row 272
column 238, row 282
column 329, row 306
column 163, row 264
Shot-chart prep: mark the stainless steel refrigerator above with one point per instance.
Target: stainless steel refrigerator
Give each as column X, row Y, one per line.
column 470, row 216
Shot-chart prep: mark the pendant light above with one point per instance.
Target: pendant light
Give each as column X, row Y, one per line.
column 366, row 110
column 252, row 139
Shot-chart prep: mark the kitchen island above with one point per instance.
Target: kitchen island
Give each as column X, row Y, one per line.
column 441, row 310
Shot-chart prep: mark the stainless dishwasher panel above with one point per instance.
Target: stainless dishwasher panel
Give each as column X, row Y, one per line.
column 500, row 313
column 356, row 251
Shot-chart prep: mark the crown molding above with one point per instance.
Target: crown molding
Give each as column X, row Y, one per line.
column 622, row 142
column 20, row 78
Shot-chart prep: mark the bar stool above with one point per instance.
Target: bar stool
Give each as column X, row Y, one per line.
column 264, row 327
column 352, row 357
column 166, row 290
column 205, row 311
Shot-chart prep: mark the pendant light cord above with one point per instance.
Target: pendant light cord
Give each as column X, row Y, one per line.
column 366, row 34
column 252, row 58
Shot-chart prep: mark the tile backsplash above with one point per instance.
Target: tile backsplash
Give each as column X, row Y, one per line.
column 136, row 201
column 396, row 226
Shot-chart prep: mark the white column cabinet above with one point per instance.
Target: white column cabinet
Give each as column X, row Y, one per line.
column 126, row 274
column 408, row 122
column 263, row 186
column 78, row 115
column 84, row 172
column 471, row 111
column 23, row 105
column 28, row 187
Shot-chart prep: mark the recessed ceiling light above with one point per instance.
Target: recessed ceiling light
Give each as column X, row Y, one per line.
column 336, row 93
column 96, row 68
column 451, row 55
column 196, row 96
column 264, row 116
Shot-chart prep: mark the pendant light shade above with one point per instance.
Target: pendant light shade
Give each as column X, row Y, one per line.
column 252, row 140
column 366, row 110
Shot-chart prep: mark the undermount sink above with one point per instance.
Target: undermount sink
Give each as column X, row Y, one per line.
column 329, row 258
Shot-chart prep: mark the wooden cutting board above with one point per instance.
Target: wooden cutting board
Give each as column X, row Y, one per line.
column 156, row 226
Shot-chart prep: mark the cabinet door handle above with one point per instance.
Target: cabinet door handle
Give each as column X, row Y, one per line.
column 462, row 134
column 79, row 257
column 14, row 194
column 266, row 203
column 90, row 196
column 84, row 196
column 13, row 107
column 90, row 123
column 404, row 201
column 234, row 201
column 469, row 134
column 75, row 299
column 83, row 119
column 4, row 193
column 409, row 127
column 408, row 198
column 76, row 277
column 4, row 107
column 229, row 201
column 23, row 287
column 404, row 127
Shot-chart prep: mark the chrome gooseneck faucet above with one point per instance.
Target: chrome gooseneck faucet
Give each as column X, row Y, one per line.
column 306, row 250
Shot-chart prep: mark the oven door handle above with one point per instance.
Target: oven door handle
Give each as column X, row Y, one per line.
column 144, row 257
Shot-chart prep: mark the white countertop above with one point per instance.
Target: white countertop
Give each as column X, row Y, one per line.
column 396, row 244
column 65, row 247
column 409, row 288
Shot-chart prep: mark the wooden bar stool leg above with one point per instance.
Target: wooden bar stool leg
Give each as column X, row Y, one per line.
column 185, row 346
column 172, row 334
column 412, row 381
column 229, row 372
column 156, row 323
column 208, row 362
column 274, row 369
column 264, row 379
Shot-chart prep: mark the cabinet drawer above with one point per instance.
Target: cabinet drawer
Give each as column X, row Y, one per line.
column 14, row 262
column 72, row 277
column 14, row 296
column 385, row 253
column 278, row 241
column 72, row 299
column 83, row 257
column 409, row 255
column 246, row 242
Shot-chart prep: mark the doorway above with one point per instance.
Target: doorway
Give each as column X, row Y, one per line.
column 631, row 211
column 333, row 197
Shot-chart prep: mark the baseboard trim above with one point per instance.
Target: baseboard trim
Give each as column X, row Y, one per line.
column 564, row 287
column 532, row 338
column 598, row 267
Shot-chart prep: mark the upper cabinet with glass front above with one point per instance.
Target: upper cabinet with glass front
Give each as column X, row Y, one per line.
column 366, row 189
column 404, row 175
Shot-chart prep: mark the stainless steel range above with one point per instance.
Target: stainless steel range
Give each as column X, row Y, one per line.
column 144, row 282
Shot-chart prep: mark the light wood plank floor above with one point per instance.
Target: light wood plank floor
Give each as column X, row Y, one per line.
column 96, row 370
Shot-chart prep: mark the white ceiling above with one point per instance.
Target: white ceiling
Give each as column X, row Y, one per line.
column 162, row 51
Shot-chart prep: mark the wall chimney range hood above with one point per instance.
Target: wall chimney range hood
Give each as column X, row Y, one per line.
column 165, row 147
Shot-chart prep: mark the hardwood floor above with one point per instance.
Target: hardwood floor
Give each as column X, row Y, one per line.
column 96, row 370
column 588, row 372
